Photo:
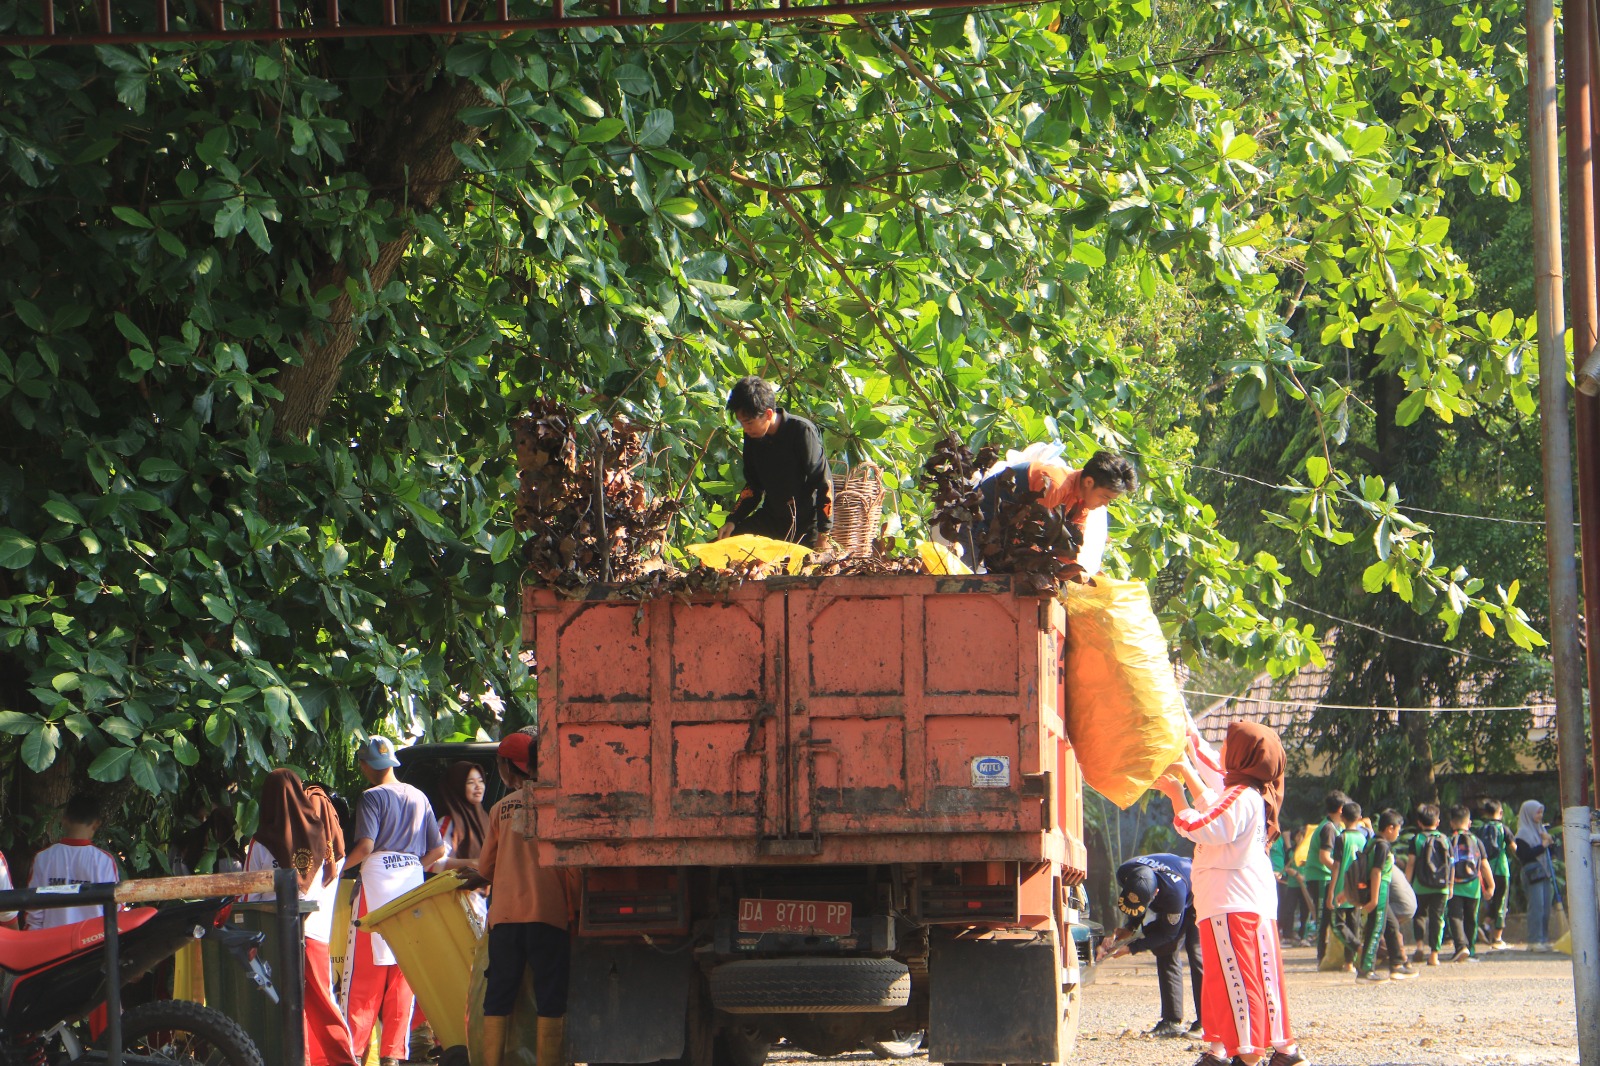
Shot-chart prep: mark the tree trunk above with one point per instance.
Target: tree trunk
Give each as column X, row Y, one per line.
column 413, row 165
column 1420, row 779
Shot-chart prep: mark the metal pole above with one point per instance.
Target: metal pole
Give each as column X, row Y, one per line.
column 113, row 987
column 291, row 977
column 1560, row 551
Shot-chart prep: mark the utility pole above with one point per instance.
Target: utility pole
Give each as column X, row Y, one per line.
column 1560, row 551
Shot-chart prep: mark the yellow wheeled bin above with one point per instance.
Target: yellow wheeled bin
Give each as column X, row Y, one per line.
column 433, row 936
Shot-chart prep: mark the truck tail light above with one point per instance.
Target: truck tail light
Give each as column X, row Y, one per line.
column 965, row 904
column 654, row 903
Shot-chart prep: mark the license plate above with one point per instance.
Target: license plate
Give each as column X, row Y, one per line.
column 809, row 917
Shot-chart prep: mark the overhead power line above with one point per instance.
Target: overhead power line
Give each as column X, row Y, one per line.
column 1403, row 639
column 1318, row 705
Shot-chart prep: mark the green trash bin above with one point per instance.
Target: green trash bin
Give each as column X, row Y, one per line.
column 230, row 989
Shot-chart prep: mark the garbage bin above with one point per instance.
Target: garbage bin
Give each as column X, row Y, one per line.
column 433, row 936
column 230, row 990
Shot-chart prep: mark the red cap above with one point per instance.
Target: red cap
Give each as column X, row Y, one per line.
column 517, row 749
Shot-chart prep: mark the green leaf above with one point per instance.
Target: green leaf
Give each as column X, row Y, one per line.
column 16, row 723
column 160, row 470
column 16, row 550
column 1500, row 325
column 334, row 559
column 132, row 332
column 632, row 80
column 39, row 747
column 111, row 765
column 65, row 682
column 1317, row 469
column 142, row 767
column 603, row 130
column 132, row 217
column 656, row 130
column 1375, row 576
column 1088, row 254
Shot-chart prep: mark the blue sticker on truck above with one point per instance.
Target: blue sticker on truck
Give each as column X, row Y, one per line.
column 991, row 771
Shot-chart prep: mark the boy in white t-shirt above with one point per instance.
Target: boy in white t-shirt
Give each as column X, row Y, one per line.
column 73, row 860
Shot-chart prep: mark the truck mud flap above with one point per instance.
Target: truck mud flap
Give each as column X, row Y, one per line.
column 627, row 1002
column 996, row 1001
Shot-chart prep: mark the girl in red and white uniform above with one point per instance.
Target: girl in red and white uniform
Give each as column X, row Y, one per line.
column 1232, row 818
column 299, row 828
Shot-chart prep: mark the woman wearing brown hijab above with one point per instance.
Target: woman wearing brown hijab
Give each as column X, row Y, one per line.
column 299, row 830
column 1231, row 818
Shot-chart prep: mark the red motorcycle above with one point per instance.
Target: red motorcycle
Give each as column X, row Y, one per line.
column 53, row 979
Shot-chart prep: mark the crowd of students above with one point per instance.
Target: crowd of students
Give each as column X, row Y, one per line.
column 396, row 837
column 1444, row 875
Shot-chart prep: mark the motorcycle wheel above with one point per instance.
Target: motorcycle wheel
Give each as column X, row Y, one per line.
column 187, row 1033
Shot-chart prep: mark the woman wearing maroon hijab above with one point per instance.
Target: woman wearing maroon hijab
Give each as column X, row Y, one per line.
column 1232, row 817
column 299, row 830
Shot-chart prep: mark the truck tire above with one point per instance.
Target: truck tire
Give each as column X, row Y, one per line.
column 810, row 986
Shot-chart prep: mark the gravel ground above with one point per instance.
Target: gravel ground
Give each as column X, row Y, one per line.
column 1512, row 1008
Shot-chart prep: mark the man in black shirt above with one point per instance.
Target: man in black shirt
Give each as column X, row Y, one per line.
column 788, row 494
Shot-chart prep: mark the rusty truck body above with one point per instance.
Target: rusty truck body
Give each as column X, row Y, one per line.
column 831, row 810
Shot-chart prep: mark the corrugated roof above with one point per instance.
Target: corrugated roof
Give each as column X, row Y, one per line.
column 1287, row 705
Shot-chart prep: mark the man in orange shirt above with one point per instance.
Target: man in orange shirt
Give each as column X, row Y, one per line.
column 1075, row 493
column 528, row 915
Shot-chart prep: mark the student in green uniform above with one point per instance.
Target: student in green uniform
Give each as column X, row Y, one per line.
column 1370, row 892
column 1346, row 919
column 1470, row 873
column 1428, row 868
column 1491, row 831
column 1318, row 868
column 1293, row 910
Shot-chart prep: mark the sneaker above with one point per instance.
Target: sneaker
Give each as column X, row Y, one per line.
column 1469, row 958
column 1195, row 1031
column 1283, row 1058
column 1373, row 975
column 1208, row 1059
column 1539, row 947
column 1420, row 955
column 1402, row 973
column 1461, row 955
column 1166, row 1027
column 1500, row 945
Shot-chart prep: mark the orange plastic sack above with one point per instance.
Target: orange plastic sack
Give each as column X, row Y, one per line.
column 1125, row 717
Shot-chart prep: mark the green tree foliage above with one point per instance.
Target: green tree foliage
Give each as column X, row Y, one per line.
column 267, row 310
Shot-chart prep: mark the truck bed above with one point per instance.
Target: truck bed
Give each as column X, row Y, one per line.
column 895, row 719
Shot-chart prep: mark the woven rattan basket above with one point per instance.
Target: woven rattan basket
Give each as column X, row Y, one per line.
column 857, row 508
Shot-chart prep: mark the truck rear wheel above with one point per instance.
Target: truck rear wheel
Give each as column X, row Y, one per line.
column 810, row 986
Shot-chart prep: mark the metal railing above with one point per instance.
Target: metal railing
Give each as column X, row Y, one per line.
column 111, row 897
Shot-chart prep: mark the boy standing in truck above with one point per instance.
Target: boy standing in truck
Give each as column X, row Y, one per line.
column 788, row 493
column 528, row 915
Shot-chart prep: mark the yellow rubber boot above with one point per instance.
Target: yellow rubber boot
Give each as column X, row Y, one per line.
column 494, row 1040
column 552, row 1042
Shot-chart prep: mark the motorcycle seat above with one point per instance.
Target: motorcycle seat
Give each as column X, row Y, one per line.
column 28, row 949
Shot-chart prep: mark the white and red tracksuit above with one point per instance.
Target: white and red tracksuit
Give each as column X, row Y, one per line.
column 1243, row 1008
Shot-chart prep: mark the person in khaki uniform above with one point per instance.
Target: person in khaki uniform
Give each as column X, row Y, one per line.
column 529, row 915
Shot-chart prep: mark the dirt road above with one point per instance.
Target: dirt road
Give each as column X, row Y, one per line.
column 1512, row 1008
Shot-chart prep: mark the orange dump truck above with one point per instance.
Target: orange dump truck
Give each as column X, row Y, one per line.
column 833, row 810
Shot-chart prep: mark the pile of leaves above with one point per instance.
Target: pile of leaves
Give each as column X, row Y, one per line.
column 1025, row 538
column 950, row 475
column 1028, row 539
column 589, row 520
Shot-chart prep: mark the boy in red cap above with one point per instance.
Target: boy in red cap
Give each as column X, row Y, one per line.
column 528, row 915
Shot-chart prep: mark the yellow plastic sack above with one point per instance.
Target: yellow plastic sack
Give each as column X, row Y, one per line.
column 1302, row 850
column 746, row 548
column 1125, row 717
column 940, row 560
column 1333, row 959
column 522, row 1032
column 188, row 974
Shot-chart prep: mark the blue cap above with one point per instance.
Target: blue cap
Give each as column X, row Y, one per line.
column 378, row 753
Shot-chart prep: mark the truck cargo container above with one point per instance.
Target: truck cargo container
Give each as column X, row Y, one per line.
column 831, row 810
